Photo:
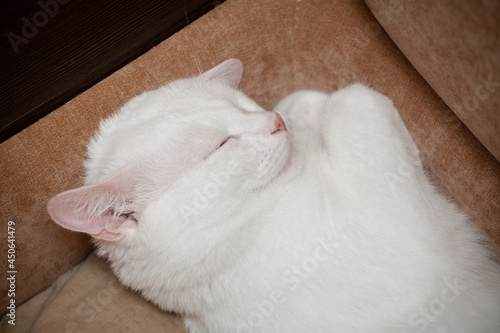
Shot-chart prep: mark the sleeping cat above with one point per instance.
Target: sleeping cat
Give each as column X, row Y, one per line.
column 317, row 217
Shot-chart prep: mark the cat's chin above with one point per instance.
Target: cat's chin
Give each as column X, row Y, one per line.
column 287, row 162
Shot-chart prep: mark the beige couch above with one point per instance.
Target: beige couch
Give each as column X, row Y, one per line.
column 438, row 61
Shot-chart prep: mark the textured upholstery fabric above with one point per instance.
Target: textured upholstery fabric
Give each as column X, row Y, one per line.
column 455, row 46
column 88, row 298
column 285, row 45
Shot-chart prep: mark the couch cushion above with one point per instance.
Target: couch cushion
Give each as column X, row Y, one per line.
column 285, row 45
column 455, row 46
column 91, row 300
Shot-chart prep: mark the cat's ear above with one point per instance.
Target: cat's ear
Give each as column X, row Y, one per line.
column 99, row 210
column 229, row 71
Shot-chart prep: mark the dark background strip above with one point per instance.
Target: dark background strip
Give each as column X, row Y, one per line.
column 52, row 50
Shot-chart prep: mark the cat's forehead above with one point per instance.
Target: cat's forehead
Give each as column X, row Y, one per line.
column 185, row 98
column 168, row 123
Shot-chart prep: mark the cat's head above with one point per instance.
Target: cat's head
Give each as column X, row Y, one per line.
column 182, row 158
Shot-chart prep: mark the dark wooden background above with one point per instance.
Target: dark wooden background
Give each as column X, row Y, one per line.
column 52, row 50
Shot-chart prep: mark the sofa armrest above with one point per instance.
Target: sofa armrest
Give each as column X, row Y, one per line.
column 455, row 46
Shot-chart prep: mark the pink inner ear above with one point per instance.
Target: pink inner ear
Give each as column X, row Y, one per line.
column 229, row 71
column 94, row 209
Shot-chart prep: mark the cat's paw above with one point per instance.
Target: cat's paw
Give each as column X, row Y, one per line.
column 302, row 111
column 365, row 103
column 378, row 110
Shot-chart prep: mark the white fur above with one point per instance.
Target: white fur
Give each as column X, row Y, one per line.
column 332, row 226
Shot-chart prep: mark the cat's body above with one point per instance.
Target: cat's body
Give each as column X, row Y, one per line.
column 331, row 226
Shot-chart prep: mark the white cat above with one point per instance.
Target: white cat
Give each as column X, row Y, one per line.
column 208, row 206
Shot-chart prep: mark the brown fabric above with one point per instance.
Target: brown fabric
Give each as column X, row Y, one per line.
column 285, row 45
column 88, row 298
column 455, row 46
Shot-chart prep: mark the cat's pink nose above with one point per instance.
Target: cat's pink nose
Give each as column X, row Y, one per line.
column 279, row 124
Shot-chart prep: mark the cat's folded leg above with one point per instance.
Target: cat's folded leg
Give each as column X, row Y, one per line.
column 362, row 134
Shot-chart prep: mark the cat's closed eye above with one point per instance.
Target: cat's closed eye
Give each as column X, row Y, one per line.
column 225, row 141
column 222, row 143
